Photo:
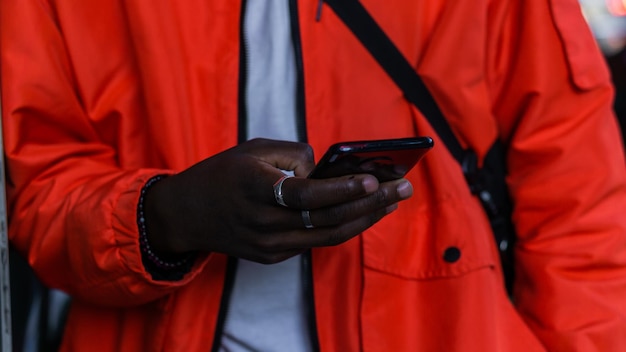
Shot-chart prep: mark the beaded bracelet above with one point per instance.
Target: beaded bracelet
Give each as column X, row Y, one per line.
column 144, row 245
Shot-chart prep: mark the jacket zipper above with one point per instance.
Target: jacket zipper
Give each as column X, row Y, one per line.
column 307, row 268
column 243, row 78
column 297, row 48
column 307, row 264
column 242, row 135
column 229, row 283
column 307, row 288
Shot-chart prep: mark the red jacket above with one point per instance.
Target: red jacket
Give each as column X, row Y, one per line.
column 100, row 95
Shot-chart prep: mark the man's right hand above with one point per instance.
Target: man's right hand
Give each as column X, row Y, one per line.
column 226, row 204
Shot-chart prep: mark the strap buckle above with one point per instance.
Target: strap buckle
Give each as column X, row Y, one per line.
column 475, row 180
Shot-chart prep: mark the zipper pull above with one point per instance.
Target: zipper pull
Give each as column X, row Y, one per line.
column 318, row 14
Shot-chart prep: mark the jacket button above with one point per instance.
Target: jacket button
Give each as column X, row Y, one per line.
column 451, row 254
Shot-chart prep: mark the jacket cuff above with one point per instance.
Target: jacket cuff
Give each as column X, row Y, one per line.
column 127, row 235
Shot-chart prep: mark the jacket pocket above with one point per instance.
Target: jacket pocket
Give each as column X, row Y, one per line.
column 449, row 239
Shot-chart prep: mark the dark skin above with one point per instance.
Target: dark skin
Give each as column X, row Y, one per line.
column 226, row 204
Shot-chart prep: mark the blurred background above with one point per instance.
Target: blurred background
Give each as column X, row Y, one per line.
column 38, row 313
column 607, row 20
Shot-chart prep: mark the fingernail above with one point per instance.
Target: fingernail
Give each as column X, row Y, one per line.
column 405, row 189
column 370, row 184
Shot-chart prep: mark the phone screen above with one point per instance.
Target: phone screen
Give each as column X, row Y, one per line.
column 387, row 159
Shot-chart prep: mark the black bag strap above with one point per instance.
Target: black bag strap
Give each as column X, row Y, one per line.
column 487, row 183
column 374, row 39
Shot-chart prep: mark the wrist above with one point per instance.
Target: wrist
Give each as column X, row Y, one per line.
column 153, row 236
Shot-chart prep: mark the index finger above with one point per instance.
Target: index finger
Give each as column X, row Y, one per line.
column 284, row 155
column 306, row 193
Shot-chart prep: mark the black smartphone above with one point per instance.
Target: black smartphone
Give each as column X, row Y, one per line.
column 387, row 159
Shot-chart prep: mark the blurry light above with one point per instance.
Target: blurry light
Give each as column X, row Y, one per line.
column 607, row 21
column 616, row 7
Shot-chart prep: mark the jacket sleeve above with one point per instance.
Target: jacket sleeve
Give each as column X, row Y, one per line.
column 553, row 101
column 72, row 200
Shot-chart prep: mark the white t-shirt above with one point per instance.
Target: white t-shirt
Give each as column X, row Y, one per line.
column 267, row 305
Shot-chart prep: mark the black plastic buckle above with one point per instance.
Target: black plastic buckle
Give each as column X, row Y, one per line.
column 474, row 178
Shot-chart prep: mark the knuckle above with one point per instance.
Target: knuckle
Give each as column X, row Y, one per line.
column 350, row 188
column 306, row 150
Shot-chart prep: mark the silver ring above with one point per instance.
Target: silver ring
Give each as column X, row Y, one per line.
column 278, row 190
column 306, row 218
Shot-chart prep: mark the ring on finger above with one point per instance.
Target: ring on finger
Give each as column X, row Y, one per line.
column 306, row 218
column 278, row 190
